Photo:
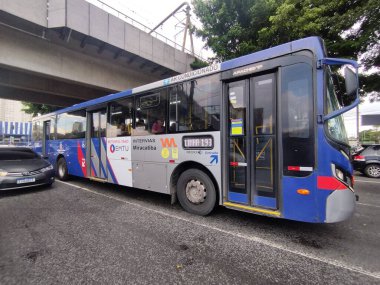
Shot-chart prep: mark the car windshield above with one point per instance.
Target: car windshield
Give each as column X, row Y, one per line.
column 17, row 154
column 335, row 126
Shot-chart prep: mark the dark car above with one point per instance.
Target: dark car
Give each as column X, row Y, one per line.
column 21, row 167
column 367, row 160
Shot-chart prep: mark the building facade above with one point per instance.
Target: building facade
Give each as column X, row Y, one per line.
column 15, row 125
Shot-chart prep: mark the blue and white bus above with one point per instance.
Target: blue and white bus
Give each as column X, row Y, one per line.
column 262, row 133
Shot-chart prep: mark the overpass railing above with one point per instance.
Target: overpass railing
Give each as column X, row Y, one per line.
column 107, row 8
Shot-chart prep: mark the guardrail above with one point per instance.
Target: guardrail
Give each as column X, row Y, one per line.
column 107, row 8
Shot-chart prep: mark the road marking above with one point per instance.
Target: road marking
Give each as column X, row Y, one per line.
column 239, row 235
column 366, row 181
column 370, row 205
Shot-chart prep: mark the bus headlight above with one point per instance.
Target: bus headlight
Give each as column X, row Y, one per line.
column 343, row 177
column 339, row 174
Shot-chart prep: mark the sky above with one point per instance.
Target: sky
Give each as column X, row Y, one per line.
column 151, row 12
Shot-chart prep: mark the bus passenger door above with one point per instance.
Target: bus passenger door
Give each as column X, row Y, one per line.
column 98, row 143
column 263, row 138
column 45, row 138
column 251, row 142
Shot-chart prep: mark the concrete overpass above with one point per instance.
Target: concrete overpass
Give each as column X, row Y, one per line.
column 62, row 52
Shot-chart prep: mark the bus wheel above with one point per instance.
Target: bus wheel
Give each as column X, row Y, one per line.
column 63, row 173
column 196, row 192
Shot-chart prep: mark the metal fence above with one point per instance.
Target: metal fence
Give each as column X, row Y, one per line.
column 141, row 26
column 16, row 133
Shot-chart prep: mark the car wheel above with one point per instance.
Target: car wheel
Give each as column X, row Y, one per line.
column 372, row 170
column 62, row 171
column 196, row 192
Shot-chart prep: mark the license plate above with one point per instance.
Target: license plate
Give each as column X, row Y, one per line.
column 26, row 180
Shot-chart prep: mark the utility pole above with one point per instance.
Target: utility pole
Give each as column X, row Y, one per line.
column 187, row 25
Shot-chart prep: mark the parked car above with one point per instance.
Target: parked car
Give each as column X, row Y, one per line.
column 367, row 160
column 21, row 167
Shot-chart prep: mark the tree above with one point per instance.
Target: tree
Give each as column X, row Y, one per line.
column 370, row 136
column 197, row 64
column 35, row 109
column 350, row 28
column 231, row 27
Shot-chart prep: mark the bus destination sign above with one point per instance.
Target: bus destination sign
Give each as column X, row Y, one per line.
column 198, row 142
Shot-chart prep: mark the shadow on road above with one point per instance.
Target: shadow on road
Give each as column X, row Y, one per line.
column 26, row 191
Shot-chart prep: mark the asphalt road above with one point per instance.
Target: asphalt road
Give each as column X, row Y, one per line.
column 91, row 233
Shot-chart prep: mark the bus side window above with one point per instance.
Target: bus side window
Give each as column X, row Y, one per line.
column 195, row 105
column 151, row 112
column 176, row 96
column 297, row 118
column 120, row 118
column 71, row 125
column 37, row 131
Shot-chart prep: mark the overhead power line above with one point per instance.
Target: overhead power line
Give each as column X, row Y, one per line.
column 187, row 25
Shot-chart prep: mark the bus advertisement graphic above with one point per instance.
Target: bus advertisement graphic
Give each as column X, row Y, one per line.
column 119, row 159
column 169, row 143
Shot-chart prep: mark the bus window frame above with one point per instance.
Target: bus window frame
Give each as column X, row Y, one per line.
column 305, row 56
column 337, row 144
column 109, row 108
column 313, row 121
column 186, row 83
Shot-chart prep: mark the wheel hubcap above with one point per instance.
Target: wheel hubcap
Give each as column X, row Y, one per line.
column 195, row 191
column 374, row 171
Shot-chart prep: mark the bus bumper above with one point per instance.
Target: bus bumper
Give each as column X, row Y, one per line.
column 340, row 205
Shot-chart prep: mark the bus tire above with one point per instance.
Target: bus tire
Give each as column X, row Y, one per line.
column 196, row 192
column 62, row 171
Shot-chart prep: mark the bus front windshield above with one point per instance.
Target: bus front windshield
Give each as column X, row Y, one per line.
column 335, row 126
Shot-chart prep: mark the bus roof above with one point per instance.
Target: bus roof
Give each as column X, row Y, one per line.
column 315, row 44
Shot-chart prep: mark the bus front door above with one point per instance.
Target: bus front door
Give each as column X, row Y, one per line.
column 98, row 142
column 252, row 142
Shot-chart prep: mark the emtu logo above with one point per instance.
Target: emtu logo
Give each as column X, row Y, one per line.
column 168, row 142
column 112, row 148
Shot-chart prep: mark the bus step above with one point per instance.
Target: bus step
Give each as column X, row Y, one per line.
column 98, row 179
column 252, row 209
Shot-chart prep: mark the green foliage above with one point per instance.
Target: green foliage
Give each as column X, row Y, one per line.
column 370, row 136
column 370, row 85
column 197, row 64
column 35, row 109
column 350, row 28
column 228, row 25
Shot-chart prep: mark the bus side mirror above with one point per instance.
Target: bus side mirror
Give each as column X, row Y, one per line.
column 351, row 81
column 349, row 97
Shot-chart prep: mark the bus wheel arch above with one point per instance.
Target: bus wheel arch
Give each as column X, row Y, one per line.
column 62, row 170
column 192, row 175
